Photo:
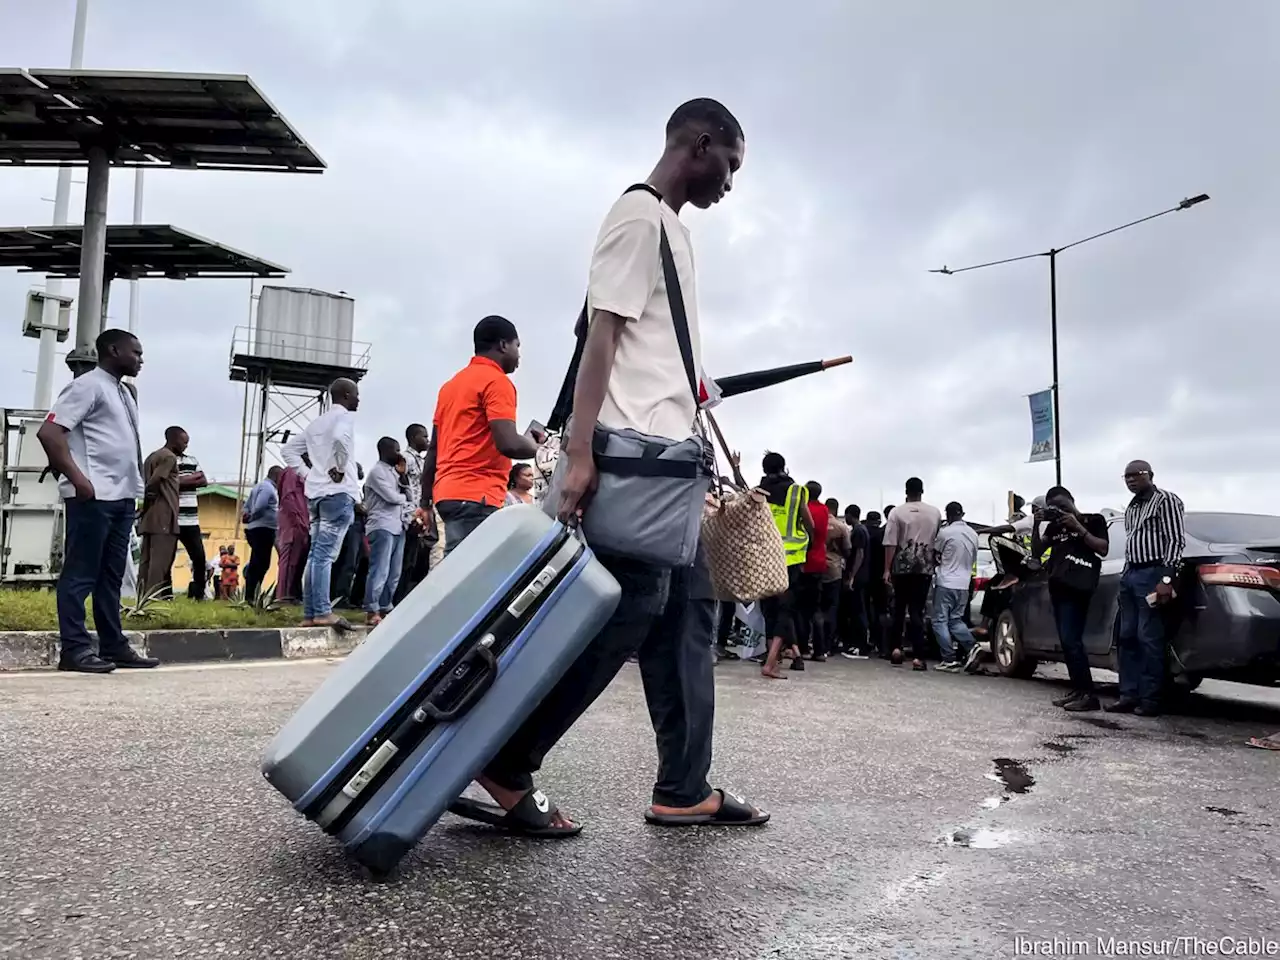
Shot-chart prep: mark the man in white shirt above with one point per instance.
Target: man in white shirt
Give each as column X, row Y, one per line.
column 332, row 486
column 956, row 547
column 91, row 439
column 631, row 374
column 386, row 491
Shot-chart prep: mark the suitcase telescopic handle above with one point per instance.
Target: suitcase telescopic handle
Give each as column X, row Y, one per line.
column 475, row 690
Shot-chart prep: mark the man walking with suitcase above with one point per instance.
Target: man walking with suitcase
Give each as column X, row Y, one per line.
column 632, row 375
column 475, row 439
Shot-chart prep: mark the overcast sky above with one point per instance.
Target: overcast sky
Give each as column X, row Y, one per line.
column 474, row 148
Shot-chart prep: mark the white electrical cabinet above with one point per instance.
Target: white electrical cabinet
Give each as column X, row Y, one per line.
column 31, row 540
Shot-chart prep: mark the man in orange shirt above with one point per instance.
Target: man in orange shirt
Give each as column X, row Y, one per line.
column 474, row 436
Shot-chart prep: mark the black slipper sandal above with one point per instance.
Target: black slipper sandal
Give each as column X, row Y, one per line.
column 531, row 817
column 734, row 812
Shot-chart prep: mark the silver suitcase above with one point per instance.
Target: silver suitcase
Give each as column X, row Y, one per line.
column 412, row 715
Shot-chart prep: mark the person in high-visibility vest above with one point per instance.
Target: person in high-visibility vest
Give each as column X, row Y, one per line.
column 789, row 503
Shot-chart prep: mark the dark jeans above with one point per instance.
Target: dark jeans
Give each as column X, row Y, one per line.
column 1140, row 638
column 97, row 549
column 347, row 564
column 644, row 598
column 262, row 540
column 676, row 665
column 724, row 623
column 853, row 617
column 416, row 562
column 808, row 600
column 910, row 597
column 879, row 611
column 1070, row 610
column 825, row 640
column 193, row 543
column 461, row 517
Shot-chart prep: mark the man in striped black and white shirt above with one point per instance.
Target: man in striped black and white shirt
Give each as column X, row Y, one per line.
column 1154, row 541
column 190, row 479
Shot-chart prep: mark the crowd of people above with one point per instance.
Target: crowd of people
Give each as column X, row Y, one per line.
column 854, row 585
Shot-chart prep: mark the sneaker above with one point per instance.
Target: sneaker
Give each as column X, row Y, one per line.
column 951, row 666
column 1071, row 697
column 973, row 663
column 855, row 654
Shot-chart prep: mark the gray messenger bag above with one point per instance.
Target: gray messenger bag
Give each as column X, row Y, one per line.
column 651, row 490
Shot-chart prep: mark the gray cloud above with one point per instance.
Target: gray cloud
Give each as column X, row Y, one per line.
column 474, row 147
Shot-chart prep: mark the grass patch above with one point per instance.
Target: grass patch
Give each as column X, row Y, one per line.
column 37, row 610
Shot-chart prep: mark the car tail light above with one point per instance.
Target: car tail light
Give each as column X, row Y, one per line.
column 1247, row 575
column 980, row 583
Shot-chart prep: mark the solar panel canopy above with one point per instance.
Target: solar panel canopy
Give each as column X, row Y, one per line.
column 134, row 252
column 181, row 120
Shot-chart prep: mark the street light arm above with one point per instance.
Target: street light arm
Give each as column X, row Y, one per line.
column 1184, row 205
column 993, row 263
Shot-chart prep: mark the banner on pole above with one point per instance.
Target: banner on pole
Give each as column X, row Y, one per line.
column 1042, row 447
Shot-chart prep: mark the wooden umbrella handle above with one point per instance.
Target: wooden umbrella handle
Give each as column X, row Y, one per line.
column 837, row 362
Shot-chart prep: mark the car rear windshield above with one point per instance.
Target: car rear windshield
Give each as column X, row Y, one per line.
column 1248, row 529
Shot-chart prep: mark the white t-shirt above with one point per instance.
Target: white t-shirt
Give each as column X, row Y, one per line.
column 1023, row 525
column 648, row 388
column 101, row 420
column 957, row 549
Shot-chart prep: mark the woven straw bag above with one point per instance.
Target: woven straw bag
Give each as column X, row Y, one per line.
column 742, row 543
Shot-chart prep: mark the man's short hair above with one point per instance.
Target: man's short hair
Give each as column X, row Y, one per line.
column 915, row 486
column 705, row 114
column 492, row 332
column 1058, row 491
column 171, row 433
column 773, row 463
column 815, row 489
column 833, row 505
column 954, row 509
column 114, row 337
column 855, row 511
column 873, row 516
column 387, row 444
column 413, row 428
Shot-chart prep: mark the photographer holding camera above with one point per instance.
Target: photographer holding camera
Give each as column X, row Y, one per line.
column 1078, row 542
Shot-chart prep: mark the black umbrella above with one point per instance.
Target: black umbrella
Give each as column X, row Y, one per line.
column 746, row 382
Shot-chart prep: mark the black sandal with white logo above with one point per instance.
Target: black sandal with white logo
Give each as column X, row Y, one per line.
column 533, row 816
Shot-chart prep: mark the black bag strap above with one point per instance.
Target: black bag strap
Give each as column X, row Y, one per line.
column 680, row 320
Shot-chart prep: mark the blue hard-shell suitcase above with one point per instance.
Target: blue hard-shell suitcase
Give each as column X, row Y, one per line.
column 400, row 728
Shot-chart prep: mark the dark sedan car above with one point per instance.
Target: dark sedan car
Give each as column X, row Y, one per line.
column 1224, row 623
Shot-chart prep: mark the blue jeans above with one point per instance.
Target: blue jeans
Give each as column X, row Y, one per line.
column 386, row 555
column 330, row 518
column 949, row 605
column 1140, row 638
column 1070, row 610
column 97, row 549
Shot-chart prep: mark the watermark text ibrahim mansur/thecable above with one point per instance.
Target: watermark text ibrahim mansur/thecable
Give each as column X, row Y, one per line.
column 1187, row 946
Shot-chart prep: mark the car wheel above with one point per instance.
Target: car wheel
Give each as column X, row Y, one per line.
column 1006, row 647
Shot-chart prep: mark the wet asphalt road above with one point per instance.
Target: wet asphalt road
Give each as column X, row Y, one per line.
column 138, row 826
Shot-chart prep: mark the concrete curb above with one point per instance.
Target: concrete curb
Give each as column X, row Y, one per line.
column 39, row 651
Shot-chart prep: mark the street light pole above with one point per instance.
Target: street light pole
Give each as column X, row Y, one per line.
column 1052, row 254
column 1053, row 336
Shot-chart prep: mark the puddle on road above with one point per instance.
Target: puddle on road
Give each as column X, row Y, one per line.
column 1225, row 811
column 1057, row 747
column 1193, row 734
column 981, row 839
column 1013, row 774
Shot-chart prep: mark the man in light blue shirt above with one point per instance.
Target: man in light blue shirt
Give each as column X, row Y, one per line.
column 91, row 439
column 261, row 516
column 386, row 491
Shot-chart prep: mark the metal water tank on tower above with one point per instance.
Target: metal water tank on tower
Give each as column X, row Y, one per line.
column 300, row 342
